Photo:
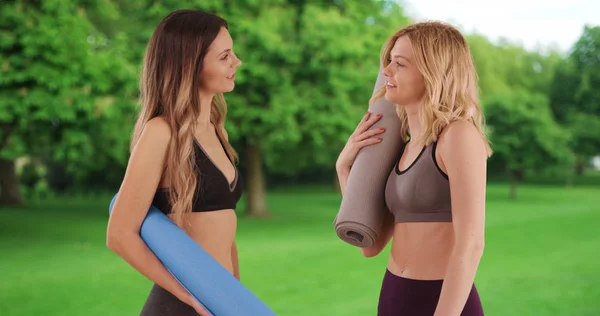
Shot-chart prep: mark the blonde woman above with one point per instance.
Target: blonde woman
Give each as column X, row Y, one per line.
column 181, row 160
column 435, row 193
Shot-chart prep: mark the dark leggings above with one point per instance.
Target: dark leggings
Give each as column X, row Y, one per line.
column 401, row 296
column 160, row 302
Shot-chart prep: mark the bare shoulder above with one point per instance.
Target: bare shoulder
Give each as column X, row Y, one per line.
column 461, row 138
column 152, row 146
column 142, row 176
column 157, row 129
column 155, row 137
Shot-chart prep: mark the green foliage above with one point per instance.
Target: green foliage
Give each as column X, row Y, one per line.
column 505, row 66
column 575, row 97
column 63, row 84
column 308, row 69
column 514, row 85
column 562, row 93
column 68, row 84
column 524, row 133
column 586, row 130
column 486, row 56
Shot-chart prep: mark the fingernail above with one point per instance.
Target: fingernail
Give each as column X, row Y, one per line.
column 382, row 129
column 379, row 139
column 378, row 115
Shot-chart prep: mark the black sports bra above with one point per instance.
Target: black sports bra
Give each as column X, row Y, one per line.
column 213, row 190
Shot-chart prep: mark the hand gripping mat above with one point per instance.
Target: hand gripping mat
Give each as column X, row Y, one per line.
column 201, row 275
column 362, row 210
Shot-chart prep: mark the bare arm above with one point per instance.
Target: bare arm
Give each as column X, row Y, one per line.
column 135, row 196
column 388, row 222
column 386, row 235
column 463, row 154
column 235, row 262
column 343, row 174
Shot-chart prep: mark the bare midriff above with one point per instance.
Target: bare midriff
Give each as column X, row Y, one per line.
column 421, row 251
column 215, row 232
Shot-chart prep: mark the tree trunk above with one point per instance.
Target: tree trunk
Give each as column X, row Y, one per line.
column 580, row 167
column 570, row 175
column 515, row 177
column 256, row 204
column 9, row 184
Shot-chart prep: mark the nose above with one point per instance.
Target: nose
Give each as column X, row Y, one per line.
column 387, row 70
column 237, row 62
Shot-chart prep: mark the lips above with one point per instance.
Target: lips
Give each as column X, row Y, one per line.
column 231, row 77
column 390, row 85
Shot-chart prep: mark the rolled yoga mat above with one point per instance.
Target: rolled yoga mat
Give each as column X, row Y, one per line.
column 362, row 210
column 217, row 290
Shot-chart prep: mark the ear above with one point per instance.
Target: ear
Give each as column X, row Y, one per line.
column 471, row 111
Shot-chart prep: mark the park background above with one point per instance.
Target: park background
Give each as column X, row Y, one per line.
column 68, row 88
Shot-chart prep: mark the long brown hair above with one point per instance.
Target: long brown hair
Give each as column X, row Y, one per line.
column 170, row 87
column 443, row 57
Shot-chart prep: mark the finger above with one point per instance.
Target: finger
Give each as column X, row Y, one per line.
column 365, row 125
column 369, row 141
column 374, row 119
column 202, row 312
column 370, row 133
column 363, row 120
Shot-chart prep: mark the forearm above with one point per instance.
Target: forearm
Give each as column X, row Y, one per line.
column 235, row 262
column 458, row 281
column 386, row 235
column 388, row 229
column 343, row 174
column 135, row 252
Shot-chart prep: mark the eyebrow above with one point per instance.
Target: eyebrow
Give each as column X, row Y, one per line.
column 400, row 56
column 225, row 51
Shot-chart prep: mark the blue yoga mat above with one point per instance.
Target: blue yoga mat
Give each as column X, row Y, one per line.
column 199, row 273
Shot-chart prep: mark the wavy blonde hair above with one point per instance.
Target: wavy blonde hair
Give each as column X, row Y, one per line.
column 443, row 57
column 170, row 87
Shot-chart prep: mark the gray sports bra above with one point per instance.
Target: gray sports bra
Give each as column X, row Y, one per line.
column 421, row 192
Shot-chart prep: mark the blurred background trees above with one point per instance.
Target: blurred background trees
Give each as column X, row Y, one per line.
column 68, row 91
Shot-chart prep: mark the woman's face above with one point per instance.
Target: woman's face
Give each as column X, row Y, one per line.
column 219, row 65
column 405, row 85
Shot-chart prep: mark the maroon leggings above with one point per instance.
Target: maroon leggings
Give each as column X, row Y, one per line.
column 401, row 296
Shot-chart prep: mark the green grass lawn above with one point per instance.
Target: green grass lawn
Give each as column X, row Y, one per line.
column 541, row 258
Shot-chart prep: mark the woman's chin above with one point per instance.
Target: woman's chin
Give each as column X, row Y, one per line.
column 227, row 88
column 391, row 98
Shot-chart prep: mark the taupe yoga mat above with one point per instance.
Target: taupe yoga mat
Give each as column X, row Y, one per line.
column 360, row 217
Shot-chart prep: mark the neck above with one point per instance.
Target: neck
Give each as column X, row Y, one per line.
column 205, row 108
column 414, row 124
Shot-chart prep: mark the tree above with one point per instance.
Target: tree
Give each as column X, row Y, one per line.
column 489, row 64
column 57, row 75
column 311, row 66
column 525, row 135
column 506, row 66
column 575, row 96
column 586, row 53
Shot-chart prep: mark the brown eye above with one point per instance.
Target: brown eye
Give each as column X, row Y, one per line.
column 225, row 57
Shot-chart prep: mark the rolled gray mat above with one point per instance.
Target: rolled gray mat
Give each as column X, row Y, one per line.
column 362, row 210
